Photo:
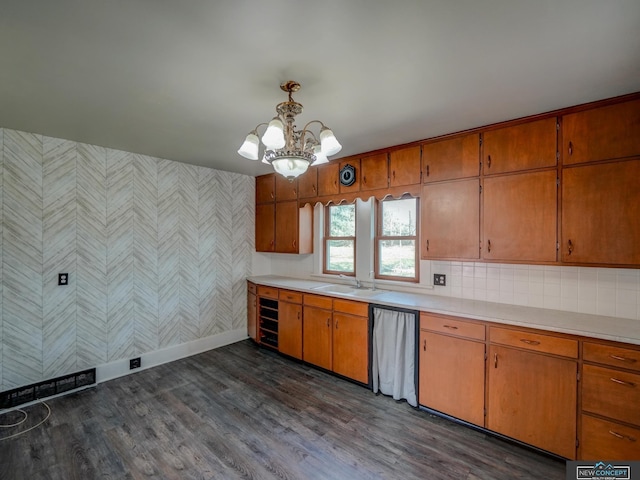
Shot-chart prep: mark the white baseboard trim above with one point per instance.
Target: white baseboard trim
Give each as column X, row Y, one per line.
column 119, row 368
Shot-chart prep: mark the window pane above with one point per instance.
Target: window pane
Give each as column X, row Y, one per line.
column 342, row 221
column 397, row 258
column 399, row 218
column 341, row 255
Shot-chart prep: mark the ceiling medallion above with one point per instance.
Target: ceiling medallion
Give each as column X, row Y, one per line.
column 287, row 150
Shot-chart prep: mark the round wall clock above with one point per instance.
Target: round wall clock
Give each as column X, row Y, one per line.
column 347, row 175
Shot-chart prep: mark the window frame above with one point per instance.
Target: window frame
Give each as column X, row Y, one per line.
column 379, row 237
column 328, row 237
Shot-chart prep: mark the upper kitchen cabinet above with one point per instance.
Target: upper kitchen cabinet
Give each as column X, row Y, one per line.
column 265, row 227
column 308, row 184
column 457, row 157
column 404, row 167
column 283, row 227
column 520, row 217
column 602, row 133
column 374, row 172
column 450, row 220
column 520, row 147
column 266, row 188
column 328, row 175
column 285, row 189
column 600, row 212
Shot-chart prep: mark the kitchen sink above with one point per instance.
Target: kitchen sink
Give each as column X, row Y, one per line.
column 348, row 290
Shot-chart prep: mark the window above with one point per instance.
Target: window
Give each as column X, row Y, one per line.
column 396, row 240
column 340, row 239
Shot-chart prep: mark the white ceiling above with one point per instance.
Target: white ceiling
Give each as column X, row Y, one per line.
column 187, row 80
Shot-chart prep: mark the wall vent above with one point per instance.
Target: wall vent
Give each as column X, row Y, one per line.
column 47, row 388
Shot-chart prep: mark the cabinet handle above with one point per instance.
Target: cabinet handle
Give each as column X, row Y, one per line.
column 393, row 174
column 570, row 246
column 488, row 161
column 427, row 244
column 623, row 437
column 424, row 345
column 623, row 359
column 622, row 382
column 495, row 360
column 530, row 342
column 451, row 327
column 427, row 170
column 570, row 148
column 298, row 315
column 294, row 244
column 336, row 324
column 488, row 246
column 364, row 179
column 313, row 188
column 327, row 322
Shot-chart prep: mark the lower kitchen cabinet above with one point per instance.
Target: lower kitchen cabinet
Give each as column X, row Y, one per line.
column 290, row 324
column 532, row 396
column 336, row 336
column 351, row 340
column 610, row 419
column 316, row 331
column 252, row 311
column 452, row 367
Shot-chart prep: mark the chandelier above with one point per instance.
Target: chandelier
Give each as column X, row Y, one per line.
column 287, row 150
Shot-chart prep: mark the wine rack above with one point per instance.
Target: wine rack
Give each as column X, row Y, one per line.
column 268, row 322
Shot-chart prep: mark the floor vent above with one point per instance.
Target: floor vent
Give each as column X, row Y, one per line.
column 47, row 388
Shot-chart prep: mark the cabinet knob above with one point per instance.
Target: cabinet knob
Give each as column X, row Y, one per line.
column 495, row 360
column 570, row 246
column 570, row 148
column 424, row 345
column 364, row 179
column 488, row 161
column 393, row 174
column 336, row 324
column 327, row 321
column 427, row 172
column 489, row 246
column 427, row 244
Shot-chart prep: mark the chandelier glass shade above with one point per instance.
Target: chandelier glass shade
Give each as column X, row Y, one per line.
column 287, row 150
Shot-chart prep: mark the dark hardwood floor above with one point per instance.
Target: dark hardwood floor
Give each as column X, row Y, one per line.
column 243, row 412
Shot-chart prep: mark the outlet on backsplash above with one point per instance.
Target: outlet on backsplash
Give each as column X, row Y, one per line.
column 439, row 279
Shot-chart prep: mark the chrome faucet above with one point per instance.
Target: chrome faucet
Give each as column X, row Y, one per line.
column 358, row 284
column 372, row 276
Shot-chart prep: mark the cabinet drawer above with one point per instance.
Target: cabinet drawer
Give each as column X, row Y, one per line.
column 534, row 341
column 318, row 301
column 271, row 292
column 611, row 393
column 354, row 308
column 611, row 355
column 453, row 326
column 289, row 296
column 251, row 287
column 610, row 440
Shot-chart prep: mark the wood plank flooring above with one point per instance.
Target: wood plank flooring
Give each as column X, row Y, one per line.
column 243, row 412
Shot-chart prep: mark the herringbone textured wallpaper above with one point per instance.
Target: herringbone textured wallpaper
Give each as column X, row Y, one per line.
column 157, row 253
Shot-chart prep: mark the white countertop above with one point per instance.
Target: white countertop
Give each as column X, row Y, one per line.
column 596, row 326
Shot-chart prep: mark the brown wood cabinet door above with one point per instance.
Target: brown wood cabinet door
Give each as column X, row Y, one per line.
column 290, row 329
column 286, row 190
column 265, row 227
column 351, row 346
column 286, row 233
column 601, row 214
column 450, row 220
column 252, row 316
column 520, row 147
column 316, row 336
column 532, row 398
column 605, row 439
column 601, row 133
column 450, row 159
column 266, row 188
column 519, row 217
column 328, row 182
column 355, row 186
column 308, row 183
column 374, row 172
column 452, row 376
column 404, row 166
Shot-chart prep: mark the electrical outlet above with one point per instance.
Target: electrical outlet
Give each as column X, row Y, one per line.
column 439, row 279
column 63, row 279
column 134, row 363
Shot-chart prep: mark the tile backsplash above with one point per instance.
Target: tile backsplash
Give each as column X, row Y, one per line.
column 603, row 291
